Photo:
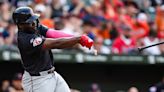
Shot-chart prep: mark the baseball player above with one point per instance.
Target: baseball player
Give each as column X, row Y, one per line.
column 35, row 42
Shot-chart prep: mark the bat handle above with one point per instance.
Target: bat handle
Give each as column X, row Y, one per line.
column 140, row 49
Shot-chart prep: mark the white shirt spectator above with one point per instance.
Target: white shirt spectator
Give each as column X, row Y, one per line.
column 153, row 50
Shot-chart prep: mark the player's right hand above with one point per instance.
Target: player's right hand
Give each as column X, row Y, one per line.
column 86, row 41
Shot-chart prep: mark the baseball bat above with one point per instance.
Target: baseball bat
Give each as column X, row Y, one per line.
column 142, row 48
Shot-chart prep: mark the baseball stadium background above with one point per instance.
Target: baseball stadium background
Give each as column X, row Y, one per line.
column 117, row 27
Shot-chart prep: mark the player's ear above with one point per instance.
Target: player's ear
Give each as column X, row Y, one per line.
column 23, row 26
column 20, row 26
column 33, row 24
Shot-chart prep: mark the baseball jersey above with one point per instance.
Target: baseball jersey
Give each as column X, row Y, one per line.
column 34, row 58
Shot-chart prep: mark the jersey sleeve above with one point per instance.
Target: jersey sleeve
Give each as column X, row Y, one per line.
column 51, row 33
column 43, row 30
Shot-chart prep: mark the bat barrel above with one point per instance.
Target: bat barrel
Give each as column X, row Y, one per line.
column 142, row 48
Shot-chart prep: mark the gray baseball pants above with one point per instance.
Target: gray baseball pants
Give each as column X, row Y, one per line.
column 52, row 82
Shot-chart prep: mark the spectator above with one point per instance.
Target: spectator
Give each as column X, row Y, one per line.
column 59, row 24
column 108, row 31
column 74, row 90
column 6, row 87
column 148, row 9
column 44, row 18
column 132, row 8
column 124, row 44
column 67, row 26
column 100, row 47
column 11, row 30
column 140, row 26
column 160, row 21
column 110, row 8
column 57, row 9
column 159, row 87
column 4, row 34
column 94, row 88
column 5, row 12
column 155, row 3
column 72, row 25
column 161, row 47
column 151, row 39
column 133, row 89
column 20, row 3
column 4, row 17
column 138, row 23
column 88, row 29
column 76, row 7
column 95, row 14
column 17, row 83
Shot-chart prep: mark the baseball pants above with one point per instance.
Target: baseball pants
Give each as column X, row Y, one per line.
column 46, row 83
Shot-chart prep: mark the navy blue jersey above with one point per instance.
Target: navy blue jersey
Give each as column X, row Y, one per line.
column 34, row 58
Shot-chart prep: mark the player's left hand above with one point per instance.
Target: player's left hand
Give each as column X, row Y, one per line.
column 86, row 41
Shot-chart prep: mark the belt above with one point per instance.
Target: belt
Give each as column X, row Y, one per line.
column 44, row 72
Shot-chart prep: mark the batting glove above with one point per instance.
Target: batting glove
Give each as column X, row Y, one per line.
column 85, row 41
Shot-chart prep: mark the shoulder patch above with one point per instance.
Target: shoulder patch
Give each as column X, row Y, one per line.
column 37, row 41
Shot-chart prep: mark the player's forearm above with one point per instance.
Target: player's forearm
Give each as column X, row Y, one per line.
column 61, row 43
column 51, row 33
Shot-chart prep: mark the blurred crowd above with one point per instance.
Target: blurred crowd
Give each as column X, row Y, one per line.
column 15, row 85
column 116, row 26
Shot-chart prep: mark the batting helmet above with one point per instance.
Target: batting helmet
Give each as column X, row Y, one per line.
column 24, row 15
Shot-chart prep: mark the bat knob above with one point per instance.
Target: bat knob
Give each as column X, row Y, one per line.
column 140, row 49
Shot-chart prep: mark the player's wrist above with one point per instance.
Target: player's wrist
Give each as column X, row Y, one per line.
column 82, row 40
column 78, row 38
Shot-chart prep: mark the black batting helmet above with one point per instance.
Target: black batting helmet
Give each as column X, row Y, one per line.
column 24, row 15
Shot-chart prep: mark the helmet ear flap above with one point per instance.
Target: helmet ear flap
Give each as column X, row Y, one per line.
column 38, row 23
column 35, row 24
